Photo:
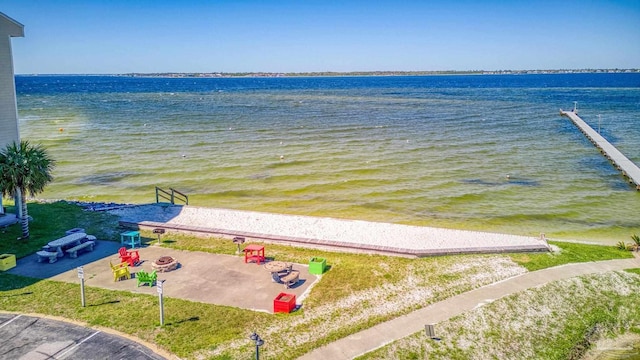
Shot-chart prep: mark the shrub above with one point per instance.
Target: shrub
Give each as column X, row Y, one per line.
column 636, row 239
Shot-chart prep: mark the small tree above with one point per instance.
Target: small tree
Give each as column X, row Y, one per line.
column 24, row 168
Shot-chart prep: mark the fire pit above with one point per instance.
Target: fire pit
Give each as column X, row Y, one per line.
column 165, row 263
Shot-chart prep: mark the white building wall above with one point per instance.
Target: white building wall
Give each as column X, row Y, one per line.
column 8, row 108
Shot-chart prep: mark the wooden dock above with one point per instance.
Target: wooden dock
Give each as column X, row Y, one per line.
column 628, row 169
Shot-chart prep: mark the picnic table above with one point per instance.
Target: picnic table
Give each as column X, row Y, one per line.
column 276, row 266
column 278, row 269
column 67, row 241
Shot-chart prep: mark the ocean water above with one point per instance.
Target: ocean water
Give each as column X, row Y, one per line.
column 483, row 152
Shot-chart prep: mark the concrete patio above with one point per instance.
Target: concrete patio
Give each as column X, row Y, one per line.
column 200, row 276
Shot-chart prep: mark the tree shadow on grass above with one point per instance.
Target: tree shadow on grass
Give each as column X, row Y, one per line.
column 10, row 282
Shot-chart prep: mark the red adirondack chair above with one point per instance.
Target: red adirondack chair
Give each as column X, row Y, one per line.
column 129, row 256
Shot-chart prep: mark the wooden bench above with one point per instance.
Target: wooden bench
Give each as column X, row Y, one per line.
column 51, row 255
column 290, row 279
column 73, row 252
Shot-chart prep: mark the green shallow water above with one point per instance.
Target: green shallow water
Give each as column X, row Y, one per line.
column 494, row 157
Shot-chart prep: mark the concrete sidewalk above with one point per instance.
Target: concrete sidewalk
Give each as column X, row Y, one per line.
column 387, row 332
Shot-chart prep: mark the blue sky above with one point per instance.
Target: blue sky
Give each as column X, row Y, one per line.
column 122, row 36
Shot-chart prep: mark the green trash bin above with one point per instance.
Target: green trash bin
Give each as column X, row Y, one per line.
column 317, row 265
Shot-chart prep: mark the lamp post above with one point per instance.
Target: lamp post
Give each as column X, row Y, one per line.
column 259, row 342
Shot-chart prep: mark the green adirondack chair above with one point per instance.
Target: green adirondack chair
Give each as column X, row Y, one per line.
column 144, row 277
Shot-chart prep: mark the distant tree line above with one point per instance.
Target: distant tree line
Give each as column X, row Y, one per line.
column 376, row 73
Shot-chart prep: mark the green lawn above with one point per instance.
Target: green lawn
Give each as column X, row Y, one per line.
column 351, row 296
column 569, row 253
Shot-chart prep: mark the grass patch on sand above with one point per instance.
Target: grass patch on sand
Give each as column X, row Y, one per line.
column 357, row 292
column 560, row 320
column 633, row 271
column 567, row 252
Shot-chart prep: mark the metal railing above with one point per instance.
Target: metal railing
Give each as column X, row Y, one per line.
column 172, row 196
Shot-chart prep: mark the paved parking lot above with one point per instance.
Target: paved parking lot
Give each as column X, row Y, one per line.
column 33, row 338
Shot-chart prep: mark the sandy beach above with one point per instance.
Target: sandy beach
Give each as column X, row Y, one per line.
column 325, row 232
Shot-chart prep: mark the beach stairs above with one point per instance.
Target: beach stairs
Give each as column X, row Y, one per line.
column 170, row 196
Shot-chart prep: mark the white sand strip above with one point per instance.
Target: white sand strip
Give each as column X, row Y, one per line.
column 356, row 234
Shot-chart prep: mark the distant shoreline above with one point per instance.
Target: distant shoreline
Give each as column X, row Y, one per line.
column 350, row 73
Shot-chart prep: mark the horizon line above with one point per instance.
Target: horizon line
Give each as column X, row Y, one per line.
column 345, row 73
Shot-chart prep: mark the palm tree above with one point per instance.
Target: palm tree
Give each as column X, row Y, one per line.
column 24, row 168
